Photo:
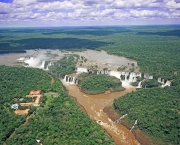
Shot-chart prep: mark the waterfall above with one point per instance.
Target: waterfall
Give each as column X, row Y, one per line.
column 42, row 64
column 134, row 79
column 162, row 81
column 68, row 79
column 76, row 82
column 123, row 73
column 126, row 77
column 139, row 84
column 115, row 74
column 131, row 78
column 71, row 80
column 65, row 78
column 102, row 72
column 159, row 80
column 138, row 75
column 106, row 72
column 47, row 68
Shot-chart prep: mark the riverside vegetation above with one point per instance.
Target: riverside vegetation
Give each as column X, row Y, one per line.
column 57, row 121
column 156, row 48
column 97, row 84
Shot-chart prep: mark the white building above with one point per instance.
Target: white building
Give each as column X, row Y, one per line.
column 81, row 70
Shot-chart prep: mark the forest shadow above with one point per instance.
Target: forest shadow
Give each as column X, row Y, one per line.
column 59, row 43
column 166, row 33
column 89, row 31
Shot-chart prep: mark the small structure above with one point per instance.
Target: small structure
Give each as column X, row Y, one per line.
column 133, row 125
column 14, row 106
column 21, row 112
column 35, row 92
column 147, row 76
column 82, row 70
column 119, row 120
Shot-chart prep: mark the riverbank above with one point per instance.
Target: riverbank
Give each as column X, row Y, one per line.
column 141, row 136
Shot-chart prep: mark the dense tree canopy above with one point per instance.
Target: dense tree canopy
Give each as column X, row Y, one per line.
column 156, row 48
column 57, row 121
column 64, row 66
column 95, row 84
column 157, row 111
column 16, row 82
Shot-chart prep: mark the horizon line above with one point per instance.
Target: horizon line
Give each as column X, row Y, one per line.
column 130, row 25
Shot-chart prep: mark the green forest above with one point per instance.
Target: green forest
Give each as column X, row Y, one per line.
column 156, row 49
column 58, row 120
column 157, row 111
column 64, row 66
column 97, row 84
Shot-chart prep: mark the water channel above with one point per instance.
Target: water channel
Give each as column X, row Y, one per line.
column 94, row 105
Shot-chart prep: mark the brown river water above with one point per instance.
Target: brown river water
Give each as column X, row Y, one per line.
column 94, row 105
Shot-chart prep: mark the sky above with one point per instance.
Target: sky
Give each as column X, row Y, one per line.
column 37, row 13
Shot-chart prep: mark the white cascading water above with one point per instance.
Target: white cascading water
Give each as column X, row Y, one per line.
column 139, row 84
column 47, row 68
column 76, row 82
column 71, row 80
column 130, row 78
column 159, row 80
column 126, row 79
column 134, row 79
column 68, row 80
column 65, row 78
column 162, row 81
column 42, row 65
column 35, row 62
column 115, row 74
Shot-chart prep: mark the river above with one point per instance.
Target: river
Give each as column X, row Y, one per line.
column 94, row 105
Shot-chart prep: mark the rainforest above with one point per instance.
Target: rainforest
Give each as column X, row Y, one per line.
column 60, row 119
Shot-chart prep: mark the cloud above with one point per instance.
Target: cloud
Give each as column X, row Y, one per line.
column 24, row 2
column 148, row 13
column 87, row 12
column 172, row 4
